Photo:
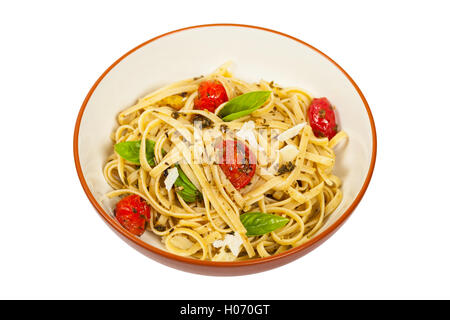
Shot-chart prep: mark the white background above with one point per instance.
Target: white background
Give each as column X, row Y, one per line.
column 53, row 244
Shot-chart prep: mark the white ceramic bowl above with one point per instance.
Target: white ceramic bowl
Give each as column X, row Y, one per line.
column 256, row 53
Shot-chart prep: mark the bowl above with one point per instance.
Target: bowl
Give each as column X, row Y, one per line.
column 257, row 53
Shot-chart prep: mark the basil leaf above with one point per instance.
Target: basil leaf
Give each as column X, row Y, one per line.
column 129, row 150
column 243, row 105
column 185, row 188
column 258, row 223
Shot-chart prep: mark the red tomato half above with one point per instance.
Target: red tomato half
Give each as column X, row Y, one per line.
column 322, row 118
column 237, row 162
column 211, row 94
column 133, row 213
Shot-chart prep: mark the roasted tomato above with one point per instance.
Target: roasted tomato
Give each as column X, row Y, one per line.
column 322, row 118
column 211, row 94
column 133, row 213
column 237, row 161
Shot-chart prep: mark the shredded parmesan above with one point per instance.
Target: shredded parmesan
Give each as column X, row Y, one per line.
column 289, row 153
column 172, row 175
column 291, row 132
column 232, row 241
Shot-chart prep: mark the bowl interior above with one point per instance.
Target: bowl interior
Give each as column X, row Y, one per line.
column 256, row 54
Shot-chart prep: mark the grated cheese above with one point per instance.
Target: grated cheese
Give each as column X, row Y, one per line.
column 172, row 175
column 246, row 134
column 232, row 241
column 289, row 153
column 291, row 132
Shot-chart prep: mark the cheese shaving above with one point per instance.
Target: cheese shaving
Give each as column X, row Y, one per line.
column 291, row 132
column 233, row 242
column 172, row 175
column 289, row 153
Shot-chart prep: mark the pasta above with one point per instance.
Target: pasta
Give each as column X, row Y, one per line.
column 202, row 214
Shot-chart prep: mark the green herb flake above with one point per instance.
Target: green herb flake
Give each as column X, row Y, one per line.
column 175, row 115
column 205, row 122
column 322, row 113
column 285, row 168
